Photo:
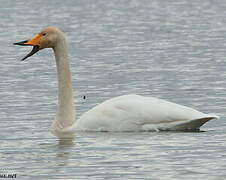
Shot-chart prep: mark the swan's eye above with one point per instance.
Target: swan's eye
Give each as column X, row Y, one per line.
column 43, row 34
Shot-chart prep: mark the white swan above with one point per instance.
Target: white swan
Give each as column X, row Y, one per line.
column 123, row 113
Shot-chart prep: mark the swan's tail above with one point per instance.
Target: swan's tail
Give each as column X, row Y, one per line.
column 193, row 125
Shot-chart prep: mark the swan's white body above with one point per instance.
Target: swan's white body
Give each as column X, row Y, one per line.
column 123, row 113
column 138, row 113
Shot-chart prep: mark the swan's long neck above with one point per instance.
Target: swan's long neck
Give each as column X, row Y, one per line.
column 66, row 109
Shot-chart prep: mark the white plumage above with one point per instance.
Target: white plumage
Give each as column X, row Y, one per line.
column 139, row 113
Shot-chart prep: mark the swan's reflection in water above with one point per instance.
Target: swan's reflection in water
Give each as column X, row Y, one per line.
column 61, row 152
column 65, row 142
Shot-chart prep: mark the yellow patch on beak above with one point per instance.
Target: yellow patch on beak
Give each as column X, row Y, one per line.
column 34, row 41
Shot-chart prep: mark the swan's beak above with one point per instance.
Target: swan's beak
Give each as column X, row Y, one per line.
column 32, row 42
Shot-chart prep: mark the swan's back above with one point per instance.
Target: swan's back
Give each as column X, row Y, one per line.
column 138, row 113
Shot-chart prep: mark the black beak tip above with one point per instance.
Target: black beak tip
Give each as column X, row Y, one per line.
column 16, row 44
column 23, row 59
column 33, row 51
column 22, row 43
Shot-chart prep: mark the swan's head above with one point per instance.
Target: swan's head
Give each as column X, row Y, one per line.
column 47, row 38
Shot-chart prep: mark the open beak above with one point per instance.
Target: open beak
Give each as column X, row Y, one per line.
column 32, row 42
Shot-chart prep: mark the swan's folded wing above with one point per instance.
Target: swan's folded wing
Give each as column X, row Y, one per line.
column 137, row 113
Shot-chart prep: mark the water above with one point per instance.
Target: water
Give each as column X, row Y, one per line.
column 175, row 50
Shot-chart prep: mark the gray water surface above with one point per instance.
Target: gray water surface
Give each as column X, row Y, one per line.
column 174, row 50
